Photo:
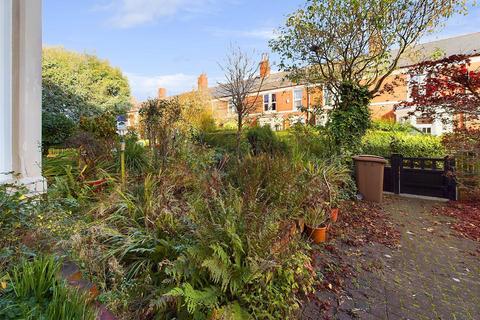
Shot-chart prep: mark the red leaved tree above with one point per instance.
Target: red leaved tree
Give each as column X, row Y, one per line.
column 449, row 89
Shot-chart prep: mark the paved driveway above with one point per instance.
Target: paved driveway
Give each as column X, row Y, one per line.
column 432, row 275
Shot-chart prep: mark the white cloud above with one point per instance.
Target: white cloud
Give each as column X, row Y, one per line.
column 260, row 33
column 130, row 13
column 144, row 86
column 457, row 25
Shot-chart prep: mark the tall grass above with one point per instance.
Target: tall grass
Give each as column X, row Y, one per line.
column 35, row 292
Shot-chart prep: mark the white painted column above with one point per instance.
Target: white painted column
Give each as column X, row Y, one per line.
column 5, row 90
column 27, row 93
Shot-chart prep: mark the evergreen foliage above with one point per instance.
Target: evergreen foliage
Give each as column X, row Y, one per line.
column 78, row 85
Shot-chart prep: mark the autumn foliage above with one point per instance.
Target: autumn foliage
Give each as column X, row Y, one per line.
column 449, row 89
column 449, row 86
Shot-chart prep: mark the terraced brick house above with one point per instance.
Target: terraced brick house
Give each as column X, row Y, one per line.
column 282, row 102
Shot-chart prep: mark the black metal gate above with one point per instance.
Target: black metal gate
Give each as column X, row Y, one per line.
column 432, row 177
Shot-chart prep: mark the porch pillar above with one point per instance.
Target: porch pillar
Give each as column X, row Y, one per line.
column 5, row 90
column 27, row 94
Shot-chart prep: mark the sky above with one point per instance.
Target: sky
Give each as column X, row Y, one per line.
column 169, row 43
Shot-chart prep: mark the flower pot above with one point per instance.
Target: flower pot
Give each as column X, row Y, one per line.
column 317, row 235
column 334, row 214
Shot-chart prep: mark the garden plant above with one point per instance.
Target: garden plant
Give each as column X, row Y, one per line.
column 195, row 233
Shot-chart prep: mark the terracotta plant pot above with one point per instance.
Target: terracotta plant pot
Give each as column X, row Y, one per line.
column 334, row 214
column 317, row 235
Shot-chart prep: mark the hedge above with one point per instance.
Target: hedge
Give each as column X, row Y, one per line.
column 383, row 143
column 375, row 142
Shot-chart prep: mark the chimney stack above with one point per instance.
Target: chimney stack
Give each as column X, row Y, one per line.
column 162, row 93
column 203, row 82
column 264, row 66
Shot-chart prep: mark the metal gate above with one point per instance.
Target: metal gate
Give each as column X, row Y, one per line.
column 432, row 177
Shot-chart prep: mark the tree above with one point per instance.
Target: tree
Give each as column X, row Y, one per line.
column 355, row 43
column 448, row 87
column 351, row 118
column 242, row 85
column 56, row 129
column 94, row 137
column 197, row 110
column 78, row 85
column 158, row 117
column 449, row 90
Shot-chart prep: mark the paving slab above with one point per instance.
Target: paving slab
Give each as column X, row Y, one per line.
column 432, row 275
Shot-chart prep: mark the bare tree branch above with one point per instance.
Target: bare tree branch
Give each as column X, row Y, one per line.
column 243, row 84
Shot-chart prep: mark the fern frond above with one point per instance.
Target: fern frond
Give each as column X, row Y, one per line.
column 219, row 272
column 196, row 300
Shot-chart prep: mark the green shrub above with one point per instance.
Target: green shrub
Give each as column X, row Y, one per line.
column 137, row 159
column 230, row 125
column 16, row 211
column 383, row 143
column 160, row 120
column 200, row 241
column 70, row 185
column 54, row 166
column 392, row 126
column 231, row 269
column 34, row 292
column 274, row 183
column 309, row 143
column 102, row 126
column 206, row 122
column 29, row 224
column 264, row 140
column 56, row 129
column 224, row 140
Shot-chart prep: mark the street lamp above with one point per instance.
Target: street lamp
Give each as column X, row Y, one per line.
column 122, row 132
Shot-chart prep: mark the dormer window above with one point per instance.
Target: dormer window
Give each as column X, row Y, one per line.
column 269, row 102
